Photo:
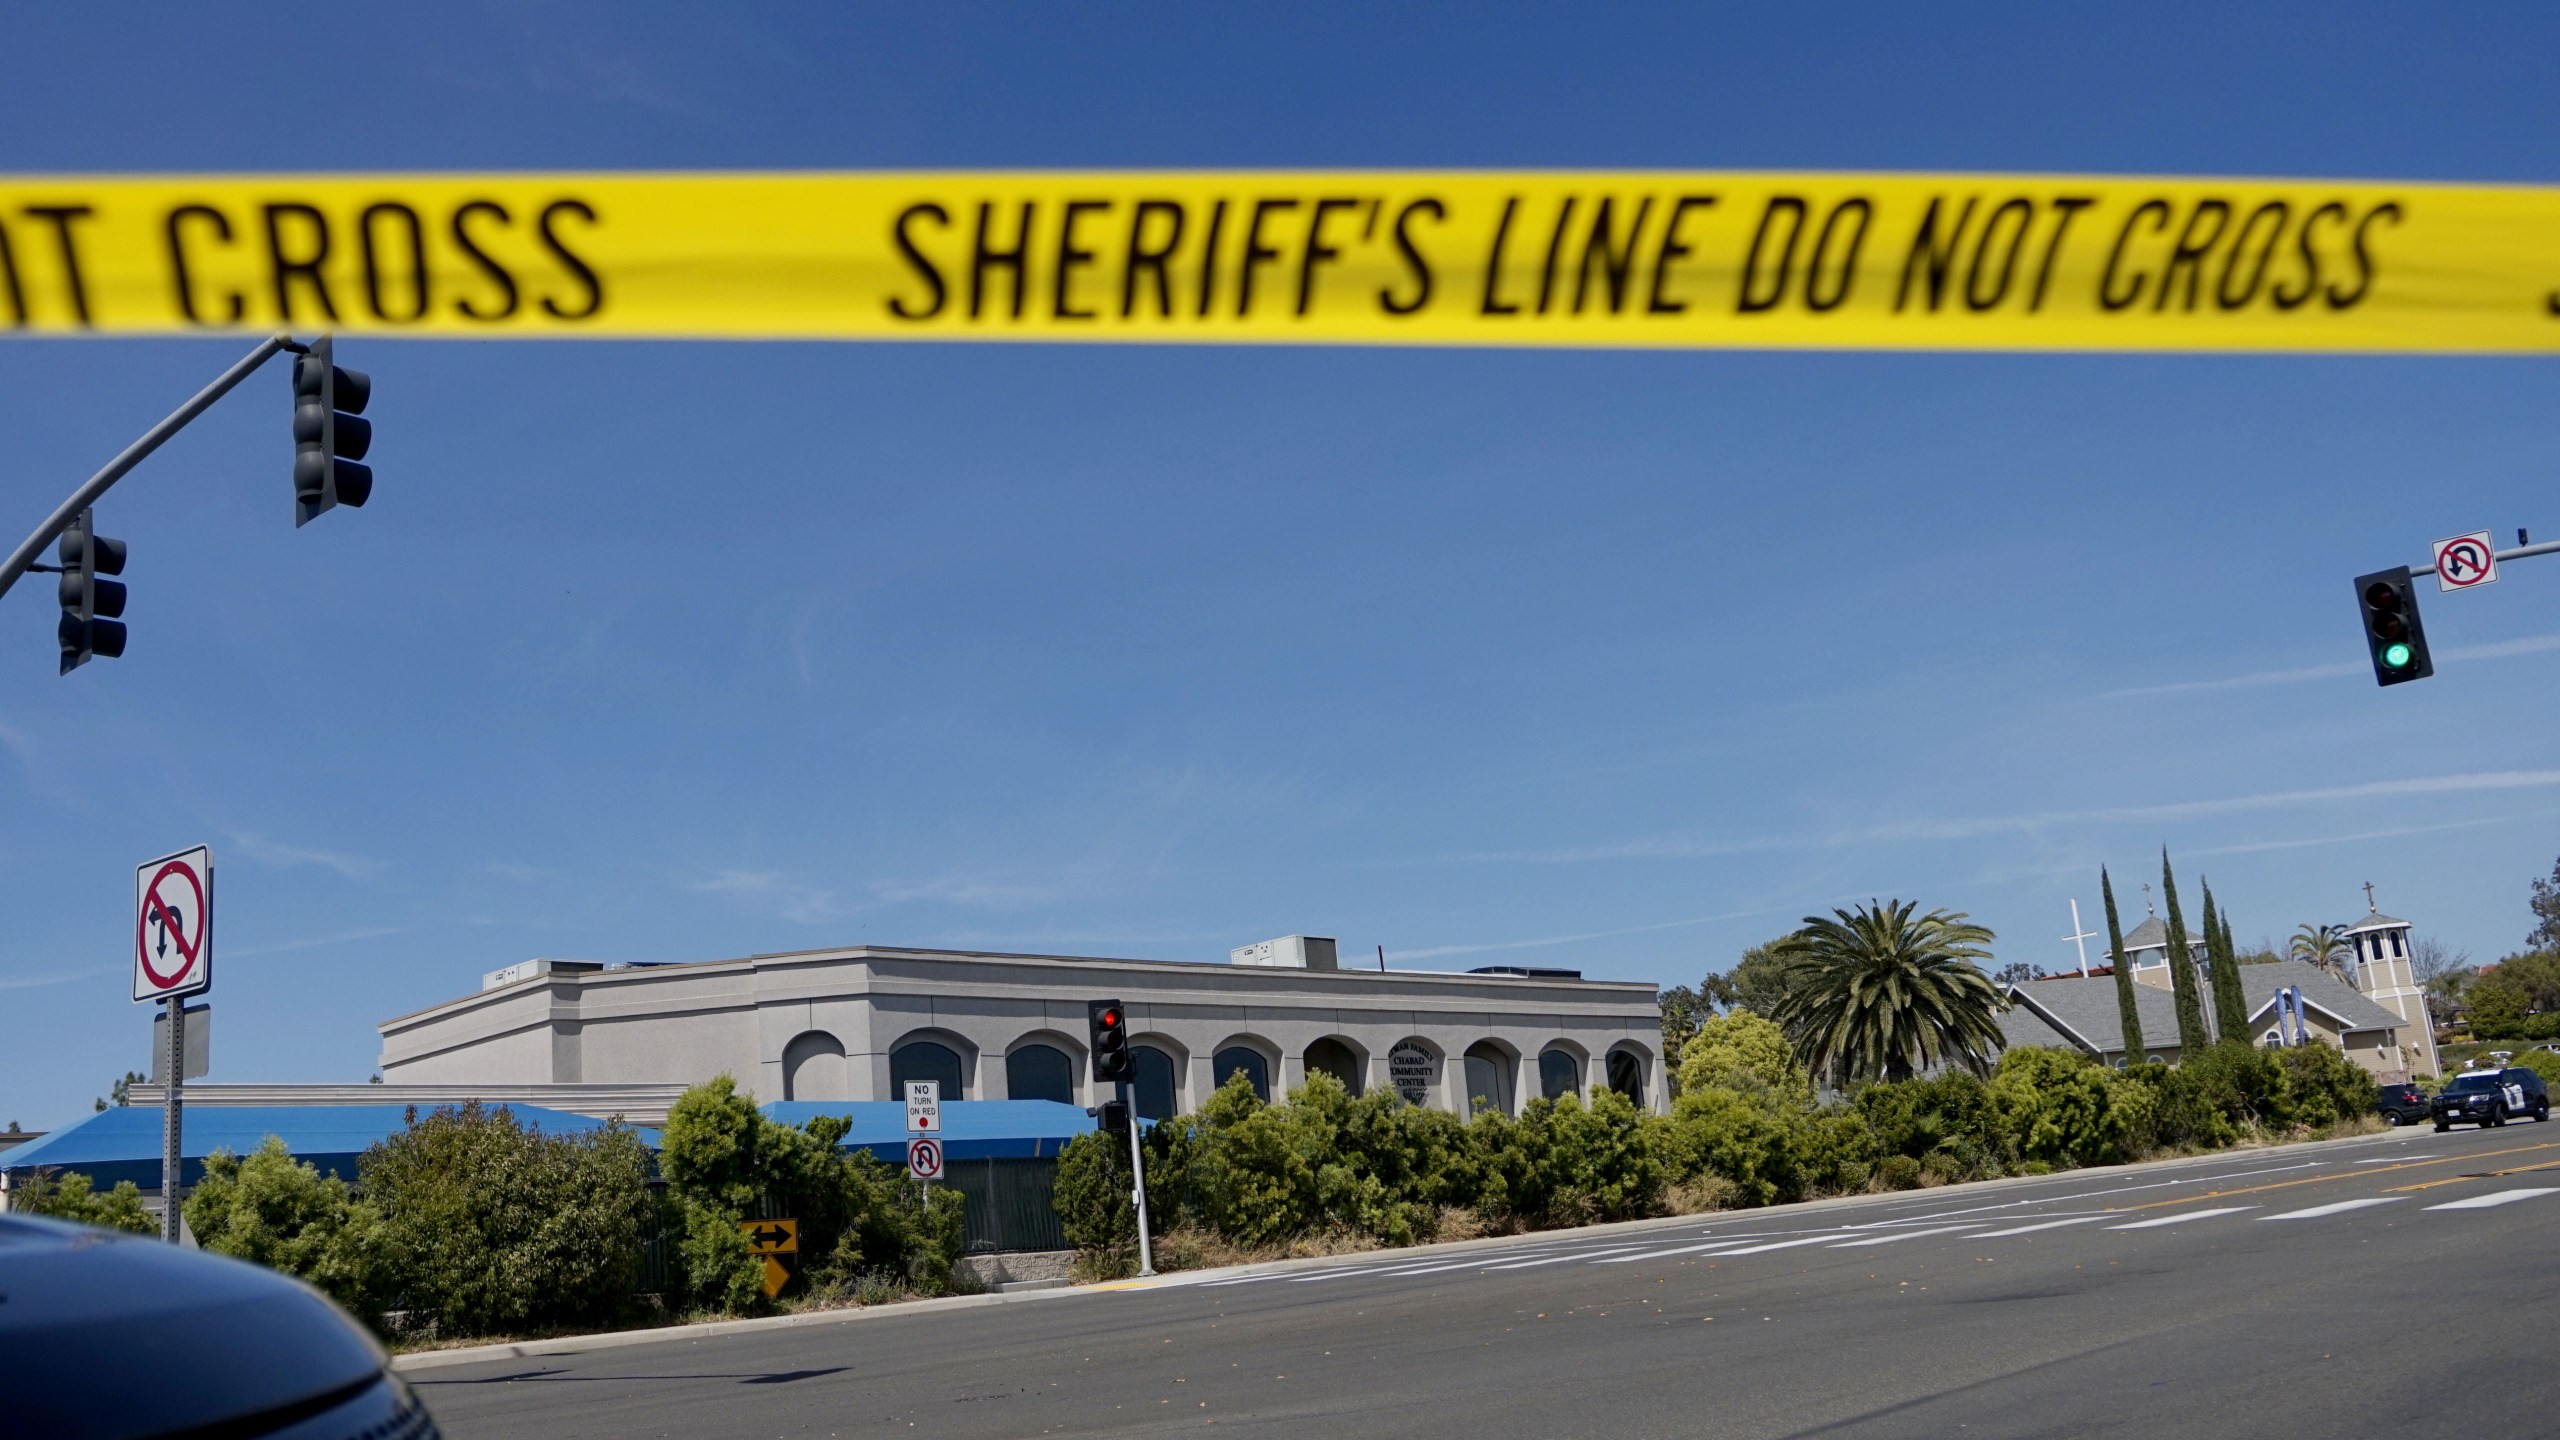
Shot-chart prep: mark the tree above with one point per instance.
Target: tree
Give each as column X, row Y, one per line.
column 121, row 1093
column 2230, row 1011
column 284, row 1214
column 1683, row 1011
column 2321, row 945
column 1883, row 993
column 1758, row 981
column 2441, row 973
column 2546, row 913
column 2017, row 972
column 2128, row 1014
column 2192, row 1039
column 1747, row 1054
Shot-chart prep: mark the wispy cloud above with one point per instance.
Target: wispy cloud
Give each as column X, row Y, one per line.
column 54, row 977
column 2499, row 650
column 259, row 849
column 971, row 890
column 775, row 893
column 1693, row 846
column 510, row 870
column 2392, row 834
column 1432, row 952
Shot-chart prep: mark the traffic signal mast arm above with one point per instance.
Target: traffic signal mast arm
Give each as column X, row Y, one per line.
column 24, row 557
column 2521, row 552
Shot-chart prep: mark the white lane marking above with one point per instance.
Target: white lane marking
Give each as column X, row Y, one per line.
column 1711, row 1245
column 2483, row 1202
column 1789, row 1244
column 2183, row 1219
column 2042, row 1200
column 2047, row 1225
column 1560, row 1259
column 1910, row 1235
column 2340, row 1208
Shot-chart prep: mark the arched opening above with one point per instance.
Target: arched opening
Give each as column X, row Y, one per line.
column 1626, row 1075
column 1329, row 1056
column 1559, row 1073
column 926, row 1060
column 1154, row 1083
column 813, row 1068
column 1489, row 1071
column 1242, row 1060
column 1040, row 1072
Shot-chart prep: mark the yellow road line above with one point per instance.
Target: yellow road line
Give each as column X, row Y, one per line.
column 2483, row 1175
column 2341, row 1175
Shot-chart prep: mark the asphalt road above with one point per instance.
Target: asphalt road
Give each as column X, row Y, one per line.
column 2403, row 1286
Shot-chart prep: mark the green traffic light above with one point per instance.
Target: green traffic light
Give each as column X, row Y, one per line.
column 2396, row 655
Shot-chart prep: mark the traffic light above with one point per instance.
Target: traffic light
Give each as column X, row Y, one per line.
column 1109, row 1027
column 89, row 604
column 1112, row 1117
column 2392, row 634
column 329, row 434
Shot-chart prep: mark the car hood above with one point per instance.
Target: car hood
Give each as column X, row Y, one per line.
column 113, row 1336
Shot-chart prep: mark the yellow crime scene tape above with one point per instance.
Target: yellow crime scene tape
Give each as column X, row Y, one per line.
column 1622, row 259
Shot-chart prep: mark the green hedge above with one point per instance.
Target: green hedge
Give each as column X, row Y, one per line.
column 1744, row 1129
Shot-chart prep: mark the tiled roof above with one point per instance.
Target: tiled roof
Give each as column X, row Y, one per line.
column 2320, row 989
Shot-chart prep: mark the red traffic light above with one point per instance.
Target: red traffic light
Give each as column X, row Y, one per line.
column 1108, row 1019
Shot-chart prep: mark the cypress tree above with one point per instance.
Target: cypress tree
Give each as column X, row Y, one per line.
column 2230, row 1016
column 2127, row 1011
column 2182, row 973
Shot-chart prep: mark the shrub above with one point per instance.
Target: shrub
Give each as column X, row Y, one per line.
column 2059, row 1107
column 284, row 1214
column 2498, row 1008
column 2542, row 1063
column 488, row 1226
column 67, row 1195
column 859, row 1221
column 1742, row 1139
column 1898, row 1172
column 2323, row 1086
column 1744, row 1053
column 1914, row 1117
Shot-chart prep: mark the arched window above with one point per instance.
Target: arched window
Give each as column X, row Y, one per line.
column 1155, row 1085
column 926, row 1060
column 1626, row 1074
column 813, row 1068
column 1488, row 1078
column 1331, row 1057
column 1242, row 1059
column 1040, row 1072
column 1559, row 1073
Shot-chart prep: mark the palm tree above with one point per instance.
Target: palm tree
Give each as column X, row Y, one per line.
column 1879, row 993
column 2322, row 945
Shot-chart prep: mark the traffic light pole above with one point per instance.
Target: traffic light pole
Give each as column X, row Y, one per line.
column 1138, row 1180
column 2521, row 552
column 24, row 557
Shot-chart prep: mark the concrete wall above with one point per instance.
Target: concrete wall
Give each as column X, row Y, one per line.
column 686, row 1023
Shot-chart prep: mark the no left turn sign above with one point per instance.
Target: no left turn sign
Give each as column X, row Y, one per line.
column 2465, row 561
column 173, row 926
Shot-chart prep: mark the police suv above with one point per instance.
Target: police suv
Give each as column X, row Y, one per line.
column 2491, row 1097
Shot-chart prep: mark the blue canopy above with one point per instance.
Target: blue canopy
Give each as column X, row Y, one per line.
column 971, row 1129
column 122, row 1142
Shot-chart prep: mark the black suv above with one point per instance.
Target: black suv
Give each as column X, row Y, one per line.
column 2489, row 1097
column 2401, row 1104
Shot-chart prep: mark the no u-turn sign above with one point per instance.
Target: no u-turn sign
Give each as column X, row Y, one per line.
column 173, row 926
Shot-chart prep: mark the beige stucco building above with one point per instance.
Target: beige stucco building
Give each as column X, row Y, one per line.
column 856, row 1023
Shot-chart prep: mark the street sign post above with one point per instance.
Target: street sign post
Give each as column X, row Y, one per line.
column 772, row 1238
column 172, row 959
column 2466, row 561
column 924, row 1107
column 924, row 1158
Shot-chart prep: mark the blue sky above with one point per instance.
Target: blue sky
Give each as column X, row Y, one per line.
column 1616, row 661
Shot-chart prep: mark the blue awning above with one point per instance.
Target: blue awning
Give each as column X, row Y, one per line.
column 971, row 1129
column 122, row 1142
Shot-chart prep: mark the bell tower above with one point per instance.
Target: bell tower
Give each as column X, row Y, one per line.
column 2385, row 972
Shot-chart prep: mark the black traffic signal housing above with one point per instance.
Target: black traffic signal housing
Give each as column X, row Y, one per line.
column 2392, row 634
column 1111, row 1117
column 329, row 434
column 90, row 605
column 1108, row 1026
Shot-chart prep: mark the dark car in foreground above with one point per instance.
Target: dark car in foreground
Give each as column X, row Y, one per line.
column 2491, row 1097
column 107, row 1336
column 2402, row 1103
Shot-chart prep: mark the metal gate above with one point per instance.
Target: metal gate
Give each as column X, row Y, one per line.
column 1007, row 1204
